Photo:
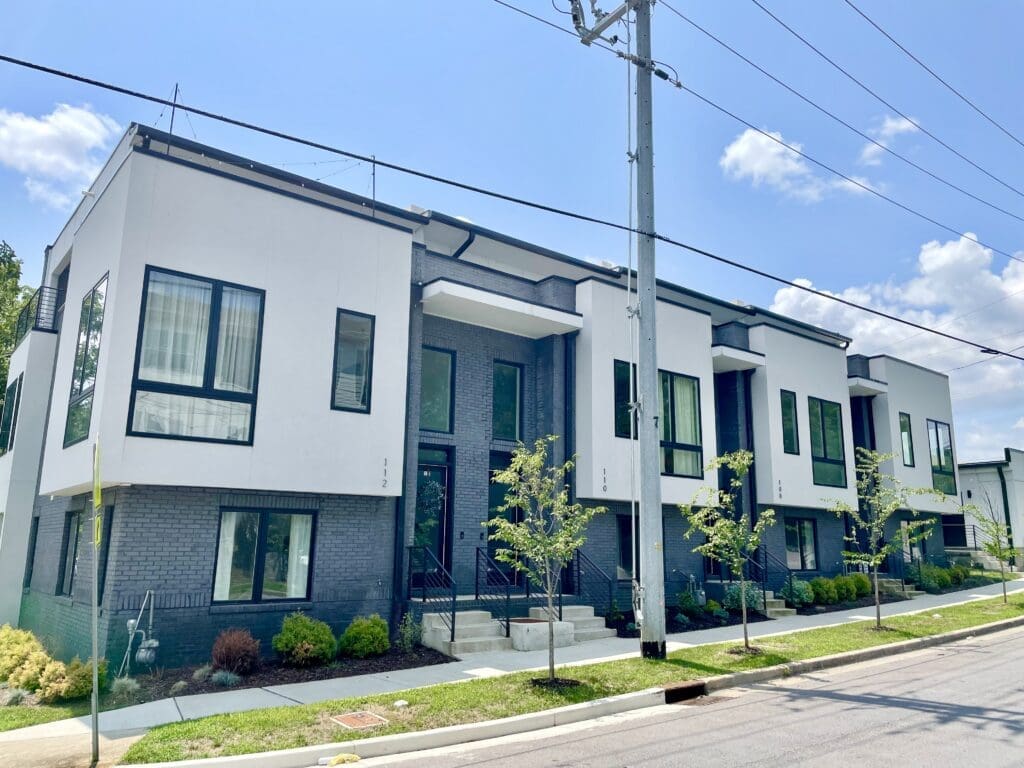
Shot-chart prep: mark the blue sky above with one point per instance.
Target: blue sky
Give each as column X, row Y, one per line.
column 476, row 92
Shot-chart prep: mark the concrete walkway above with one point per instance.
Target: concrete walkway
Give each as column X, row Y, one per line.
column 134, row 719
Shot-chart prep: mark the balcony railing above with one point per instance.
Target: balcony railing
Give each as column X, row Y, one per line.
column 40, row 314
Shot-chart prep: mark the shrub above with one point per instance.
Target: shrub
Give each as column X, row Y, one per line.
column 410, row 633
column 846, row 590
column 614, row 614
column 179, row 688
column 682, row 619
column 16, row 645
column 861, row 583
column 124, row 688
column 236, row 650
column 943, row 579
column 304, row 641
column 797, row 593
column 824, row 591
column 225, row 678
column 202, row 674
column 959, row 573
column 731, row 601
column 365, row 637
column 80, row 678
column 53, row 683
column 715, row 608
column 688, row 605
column 27, row 675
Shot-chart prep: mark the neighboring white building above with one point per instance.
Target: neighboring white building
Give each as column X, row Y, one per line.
column 996, row 487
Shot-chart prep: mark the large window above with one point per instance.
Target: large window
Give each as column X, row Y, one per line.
column 629, row 548
column 907, row 439
column 197, row 364
column 9, row 420
column 506, row 401
column 87, row 354
column 681, row 451
column 801, row 544
column 622, row 400
column 437, row 389
column 69, row 553
column 940, row 443
column 828, row 456
column 263, row 556
column 790, row 429
column 353, row 362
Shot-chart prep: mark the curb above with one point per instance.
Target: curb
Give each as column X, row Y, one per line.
column 380, row 746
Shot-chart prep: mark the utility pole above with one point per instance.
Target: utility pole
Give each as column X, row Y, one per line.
column 652, row 564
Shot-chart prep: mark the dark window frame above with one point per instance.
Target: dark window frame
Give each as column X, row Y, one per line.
column 259, row 557
column 617, row 405
column 624, row 523
column 910, row 434
column 451, row 392
column 207, row 390
column 9, row 429
column 940, row 470
column 78, row 374
column 826, row 459
column 369, row 371
column 783, row 393
column 520, row 420
column 66, row 581
column 800, row 538
column 108, row 524
column 30, row 562
column 672, row 445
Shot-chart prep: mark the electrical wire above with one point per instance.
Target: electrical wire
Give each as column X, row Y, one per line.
column 983, row 360
column 934, row 74
column 868, row 90
column 807, row 100
column 499, row 196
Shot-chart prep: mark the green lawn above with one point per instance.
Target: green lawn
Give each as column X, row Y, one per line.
column 477, row 700
column 22, row 717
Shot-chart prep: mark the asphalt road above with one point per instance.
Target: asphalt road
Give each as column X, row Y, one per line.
column 955, row 705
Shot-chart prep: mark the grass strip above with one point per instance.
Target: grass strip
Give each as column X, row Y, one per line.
column 487, row 699
column 22, row 717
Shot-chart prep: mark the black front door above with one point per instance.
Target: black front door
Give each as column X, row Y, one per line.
column 433, row 528
column 495, row 499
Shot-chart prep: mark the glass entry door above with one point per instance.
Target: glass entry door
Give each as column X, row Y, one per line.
column 496, row 498
column 433, row 528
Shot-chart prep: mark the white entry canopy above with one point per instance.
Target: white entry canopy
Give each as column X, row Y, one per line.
column 497, row 311
column 861, row 386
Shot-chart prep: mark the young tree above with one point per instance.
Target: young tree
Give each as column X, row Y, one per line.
column 551, row 529
column 13, row 296
column 881, row 496
column 995, row 532
column 729, row 537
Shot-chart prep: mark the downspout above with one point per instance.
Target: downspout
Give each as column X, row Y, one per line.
column 1006, row 510
column 465, row 246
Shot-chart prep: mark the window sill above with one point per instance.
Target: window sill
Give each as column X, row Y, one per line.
column 282, row 606
column 64, row 600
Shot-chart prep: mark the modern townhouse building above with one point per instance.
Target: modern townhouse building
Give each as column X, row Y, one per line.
column 995, row 488
column 300, row 394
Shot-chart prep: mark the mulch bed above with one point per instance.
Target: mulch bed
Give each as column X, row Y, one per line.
column 704, row 621
column 157, row 683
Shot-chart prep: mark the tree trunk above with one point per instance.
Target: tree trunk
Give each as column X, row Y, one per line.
column 551, row 632
column 1002, row 576
column 743, row 609
column 878, row 601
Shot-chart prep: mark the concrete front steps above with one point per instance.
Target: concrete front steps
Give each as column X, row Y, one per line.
column 586, row 626
column 775, row 607
column 896, row 587
column 973, row 556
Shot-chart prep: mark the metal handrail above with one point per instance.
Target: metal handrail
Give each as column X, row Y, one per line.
column 38, row 314
column 494, row 594
column 436, row 585
column 584, row 566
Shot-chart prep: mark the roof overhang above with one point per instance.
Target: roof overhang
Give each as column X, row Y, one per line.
column 725, row 358
column 864, row 387
column 497, row 311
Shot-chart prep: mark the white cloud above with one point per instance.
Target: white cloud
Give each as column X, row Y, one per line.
column 755, row 157
column 884, row 134
column 955, row 289
column 58, row 154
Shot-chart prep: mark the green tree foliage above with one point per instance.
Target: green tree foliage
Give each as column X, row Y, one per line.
column 729, row 537
column 881, row 496
column 995, row 534
column 550, row 528
column 13, row 296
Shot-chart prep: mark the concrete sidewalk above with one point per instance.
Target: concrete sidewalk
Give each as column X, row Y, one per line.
column 134, row 719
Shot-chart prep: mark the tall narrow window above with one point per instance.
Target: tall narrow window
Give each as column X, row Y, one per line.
column 622, row 399
column 353, row 361
column 506, row 401
column 30, row 562
column 87, row 353
column 940, row 443
column 681, row 451
column 197, row 364
column 907, row 439
column 263, row 556
column 9, row 420
column 69, row 559
column 629, row 548
column 801, row 547
column 107, row 523
column 437, row 389
column 828, row 456
column 790, row 429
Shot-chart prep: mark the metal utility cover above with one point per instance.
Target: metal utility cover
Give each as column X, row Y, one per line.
column 359, row 720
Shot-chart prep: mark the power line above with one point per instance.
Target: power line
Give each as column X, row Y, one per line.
column 874, row 94
column 934, row 74
column 496, row 195
column 983, row 360
column 835, row 117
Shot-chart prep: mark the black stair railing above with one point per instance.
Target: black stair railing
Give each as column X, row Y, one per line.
column 493, row 588
column 593, row 586
column 430, row 583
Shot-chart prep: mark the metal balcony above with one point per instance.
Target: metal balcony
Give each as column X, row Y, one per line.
column 40, row 314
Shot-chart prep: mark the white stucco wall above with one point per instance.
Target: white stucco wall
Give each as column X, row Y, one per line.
column 810, row 369
column 684, row 346
column 981, row 482
column 310, row 261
